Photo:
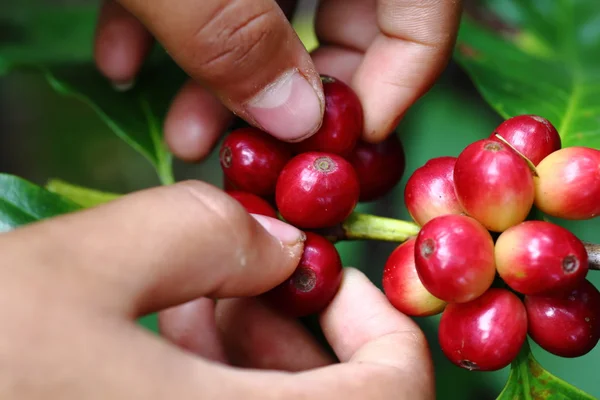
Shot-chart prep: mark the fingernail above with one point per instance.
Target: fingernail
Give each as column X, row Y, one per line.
column 123, row 86
column 288, row 109
column 288, row 234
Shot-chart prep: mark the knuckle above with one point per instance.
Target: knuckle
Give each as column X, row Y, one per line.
column 225, row 217
column 233, row 38
column 218, row 210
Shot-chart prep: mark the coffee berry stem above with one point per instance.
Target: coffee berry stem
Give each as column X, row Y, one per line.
column 359, row 226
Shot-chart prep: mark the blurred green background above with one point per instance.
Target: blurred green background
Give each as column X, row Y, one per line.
column 44, row 135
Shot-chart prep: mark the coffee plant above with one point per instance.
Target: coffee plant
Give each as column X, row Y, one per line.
column 484, row 249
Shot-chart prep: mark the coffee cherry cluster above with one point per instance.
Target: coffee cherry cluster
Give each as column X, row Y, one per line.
column 312, row 184
column 494, row 273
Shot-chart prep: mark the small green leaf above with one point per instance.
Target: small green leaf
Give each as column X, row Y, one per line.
column 529, row 381
column 34, row 33
column 22, row 202
column 83, row 196
column 538, row 58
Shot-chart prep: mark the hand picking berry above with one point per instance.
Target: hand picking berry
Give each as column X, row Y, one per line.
column 314, row 283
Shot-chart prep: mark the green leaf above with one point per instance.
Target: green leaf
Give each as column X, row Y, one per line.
column 85, row 197
column 22, row 202
column 136, row 116
column 34, row 33
column 529, row 381
column 59, row 42
column 538, row 57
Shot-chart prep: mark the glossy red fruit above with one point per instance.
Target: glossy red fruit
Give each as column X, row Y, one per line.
column 454, row 256
column 493, row 184
column 568, row 325
column 429, row 192
column 252, row 160
column 485, row 334
column 342, row 121
column 531, row 135
column 402, row 286
column 313, row 284
column 317, row 190
column 253, row 203
column 379, row 167
column 539, row 257
column 568, row 183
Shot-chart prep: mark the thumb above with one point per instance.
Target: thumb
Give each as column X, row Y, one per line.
column 162, row 247
column 247, row 54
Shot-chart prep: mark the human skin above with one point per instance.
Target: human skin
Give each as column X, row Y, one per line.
column 72, row 288
column 389, row 51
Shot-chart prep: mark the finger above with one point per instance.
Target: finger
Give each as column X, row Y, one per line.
column 224, row 45
column 121, row 44
column 196, row 118
column 344, row 30
column 194, row 123
column 350, row 25
column 162, row 247
column 192, row 326
column 404, row 60
column 337, row 62
column 377, row 341
column 255, row 336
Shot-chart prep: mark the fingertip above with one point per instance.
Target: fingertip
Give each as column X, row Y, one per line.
column 363, row 327
column 338, row 62
column 288, row 234
column 291, row 107
column 377, row 131
column 121, row 45
column 360, row 313
column 194, row 122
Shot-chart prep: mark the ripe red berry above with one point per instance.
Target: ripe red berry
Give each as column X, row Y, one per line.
column 493, row 184
column 253, row 203
column 533, row 136
column 485, row 334
column 567, row 325
column 379, row 167
column 252, row 160
column 538, row 257
column 342, row 121
column 454, row 256
column 429, row 192
column 313, row 284
column 568, row 183
column 402, row 286
column 316, row 190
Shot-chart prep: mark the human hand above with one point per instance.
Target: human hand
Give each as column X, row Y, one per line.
column 390, row 52
column 73, row 287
